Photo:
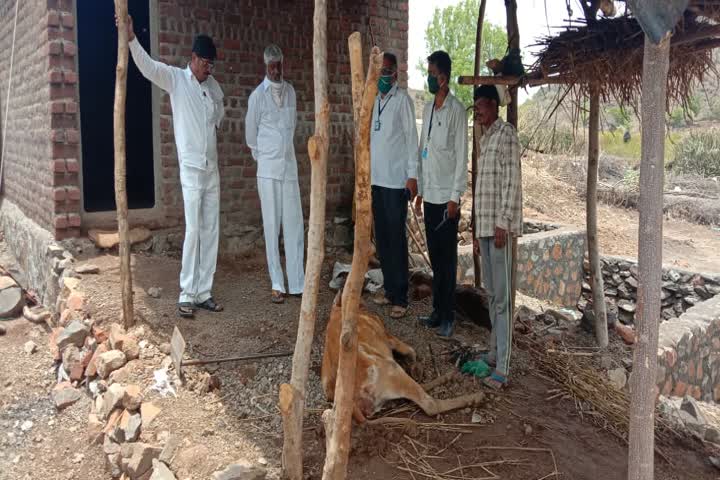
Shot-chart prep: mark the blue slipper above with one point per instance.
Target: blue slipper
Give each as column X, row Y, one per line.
column 495, row 381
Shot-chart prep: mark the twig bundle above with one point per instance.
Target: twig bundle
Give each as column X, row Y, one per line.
column 609, row 54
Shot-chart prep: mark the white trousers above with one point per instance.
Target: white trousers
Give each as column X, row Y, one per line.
column 281, row 206
column 201, row 197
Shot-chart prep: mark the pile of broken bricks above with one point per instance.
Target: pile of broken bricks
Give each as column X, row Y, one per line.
column 90, row 358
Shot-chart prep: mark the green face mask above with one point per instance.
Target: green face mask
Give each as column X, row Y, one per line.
column 433, row 84
column 385, row 84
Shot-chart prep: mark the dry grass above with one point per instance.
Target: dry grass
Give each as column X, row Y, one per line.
column 594, row 397
column 609, row 55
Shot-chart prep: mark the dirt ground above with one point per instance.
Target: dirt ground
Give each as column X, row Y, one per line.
column 521, row 433
column 549, row 197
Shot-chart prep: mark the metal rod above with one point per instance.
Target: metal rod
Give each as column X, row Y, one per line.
column 235, row 359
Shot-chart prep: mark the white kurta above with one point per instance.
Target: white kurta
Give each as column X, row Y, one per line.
column 269, row 132
column 197, row 112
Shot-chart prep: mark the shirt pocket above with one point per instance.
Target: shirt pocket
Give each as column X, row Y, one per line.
column 287, row 119
column 270, row 136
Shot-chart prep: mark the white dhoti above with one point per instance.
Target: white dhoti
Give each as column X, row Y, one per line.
column 201, row 198
column 281, row 206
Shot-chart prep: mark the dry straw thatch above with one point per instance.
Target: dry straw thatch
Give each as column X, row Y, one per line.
column 608, row 54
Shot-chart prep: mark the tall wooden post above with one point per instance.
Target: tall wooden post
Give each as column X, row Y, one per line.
column 338, row 421
column 292, row 396
column 642, row 387
column 596, row 277
column 121, row 11
column 513, row 34
column 473, row 179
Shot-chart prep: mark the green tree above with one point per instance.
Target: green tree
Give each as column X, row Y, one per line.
column 453, row 29
column 619, row 117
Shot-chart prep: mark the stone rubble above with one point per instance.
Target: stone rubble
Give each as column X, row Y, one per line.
column 680, row 290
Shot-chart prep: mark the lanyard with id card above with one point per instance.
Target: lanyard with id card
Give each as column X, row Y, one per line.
column 378, row 124
column 425, row 150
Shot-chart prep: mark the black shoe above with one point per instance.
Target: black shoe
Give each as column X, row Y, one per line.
column 433, row 321
column 446, row 329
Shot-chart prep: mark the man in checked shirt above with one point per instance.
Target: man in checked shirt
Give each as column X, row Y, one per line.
column 498, row 217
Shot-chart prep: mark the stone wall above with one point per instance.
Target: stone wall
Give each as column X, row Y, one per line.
column 681, row 289
column 689, row 353
column 41, row 260
column 550, row 263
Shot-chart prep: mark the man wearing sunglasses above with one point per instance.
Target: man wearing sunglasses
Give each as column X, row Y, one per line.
column 393, row 156
column 197, row 106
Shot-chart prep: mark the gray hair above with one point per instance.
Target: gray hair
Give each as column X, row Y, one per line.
column 273, row 54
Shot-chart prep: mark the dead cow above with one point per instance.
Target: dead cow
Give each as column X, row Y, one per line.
column 378, row 377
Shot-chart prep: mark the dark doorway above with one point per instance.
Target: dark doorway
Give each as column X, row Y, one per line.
column 97, row 59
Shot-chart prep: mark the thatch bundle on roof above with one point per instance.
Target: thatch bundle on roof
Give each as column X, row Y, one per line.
column 608, row 54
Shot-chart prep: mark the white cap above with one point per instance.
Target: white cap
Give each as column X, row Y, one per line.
column 273, row 54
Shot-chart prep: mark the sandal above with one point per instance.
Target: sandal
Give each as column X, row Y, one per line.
column 186, row 310
column 496, row 381
column 380, row 299
column 210, row 305
column 398, row 311
column 277, row 297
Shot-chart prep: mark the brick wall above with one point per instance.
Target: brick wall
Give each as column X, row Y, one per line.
column 42, row 170
column 242, row 30
column 41, row 151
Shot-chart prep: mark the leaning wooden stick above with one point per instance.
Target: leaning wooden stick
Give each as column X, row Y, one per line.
column 121, row 11
column 338, row 421
column 292, row 395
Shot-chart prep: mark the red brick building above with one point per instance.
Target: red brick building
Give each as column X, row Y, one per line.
column 58, row 148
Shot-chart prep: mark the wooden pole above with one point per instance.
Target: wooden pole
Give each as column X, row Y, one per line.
column 292, row 396
column 357, row 73
column 596, row 278
column 513, row 34
column 338, row 421
column 478, row 51
column 121, row 10
column 642, row 386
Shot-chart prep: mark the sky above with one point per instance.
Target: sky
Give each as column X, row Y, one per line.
column 531, row 22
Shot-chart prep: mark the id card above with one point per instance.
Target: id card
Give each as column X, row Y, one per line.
column 425, row 153
column 377, row 125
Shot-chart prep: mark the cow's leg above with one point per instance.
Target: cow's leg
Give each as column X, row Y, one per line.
column 441, row 380
column 402, row 348
column 395, row 383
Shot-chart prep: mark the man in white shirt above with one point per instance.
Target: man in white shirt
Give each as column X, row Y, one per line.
column 269, row 131
column 197, row 105
column 442, row 179
column 393, row 156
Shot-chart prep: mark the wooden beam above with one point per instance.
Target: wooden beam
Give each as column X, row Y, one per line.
column 596, row 278
column 652, row 169
column 473, row 178
column 292, row 395
column 338, row 421
column 121, row 206
column 513, row 81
